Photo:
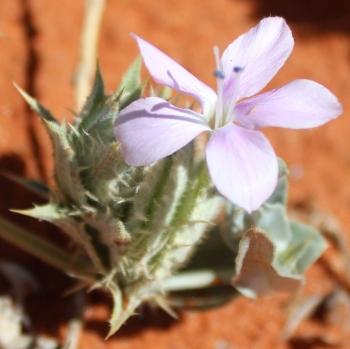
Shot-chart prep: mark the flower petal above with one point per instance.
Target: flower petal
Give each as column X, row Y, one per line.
column 242, row 165
column 298, row 104
column 166, row 71
column 253, row 59
column 150, row 129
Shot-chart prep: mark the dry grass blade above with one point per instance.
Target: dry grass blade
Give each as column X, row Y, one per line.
column 88, row 50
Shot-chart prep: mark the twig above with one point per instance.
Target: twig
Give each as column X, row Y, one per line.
column 88, row 50
column 75, row 325
column 44, row 250
column 83, row 81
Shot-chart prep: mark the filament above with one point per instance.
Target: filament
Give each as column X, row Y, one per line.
column 220, row 76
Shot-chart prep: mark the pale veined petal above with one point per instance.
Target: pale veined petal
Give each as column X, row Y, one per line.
column 242, row 165
column 254, row 58
column 166, row 71
column 150, row 129
column 298, row 104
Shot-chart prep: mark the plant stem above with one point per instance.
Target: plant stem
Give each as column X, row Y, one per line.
column 43, row 250
column 197, row 279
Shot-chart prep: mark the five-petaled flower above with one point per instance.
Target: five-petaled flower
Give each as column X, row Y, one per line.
column 241, row 161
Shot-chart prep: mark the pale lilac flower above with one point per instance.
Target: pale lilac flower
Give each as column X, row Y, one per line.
column 241, row 161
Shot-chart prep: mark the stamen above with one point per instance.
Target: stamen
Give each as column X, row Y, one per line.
column 238, row 69
column 220, row 76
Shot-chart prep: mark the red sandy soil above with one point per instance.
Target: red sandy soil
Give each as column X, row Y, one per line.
column 39, row 49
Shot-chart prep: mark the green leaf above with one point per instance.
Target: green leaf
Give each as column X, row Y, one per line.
column 125, row 303
column 273, row 220
column 131, row 85
column 66, row 169
column 93, row 105
column 131, row 78
column 304, row 248
column 286, row 251
column 36, row 106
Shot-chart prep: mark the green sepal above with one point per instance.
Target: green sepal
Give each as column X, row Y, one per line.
column 48, row 212
column 94, row 103
column 67, row 173
column 36, row 106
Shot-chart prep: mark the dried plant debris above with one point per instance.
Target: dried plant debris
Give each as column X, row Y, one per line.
column 21, row 280
column 256, row 274
column 300, row 309
column 273, row 251
column 332, row 308
column 12, row 334
column 335, row 311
